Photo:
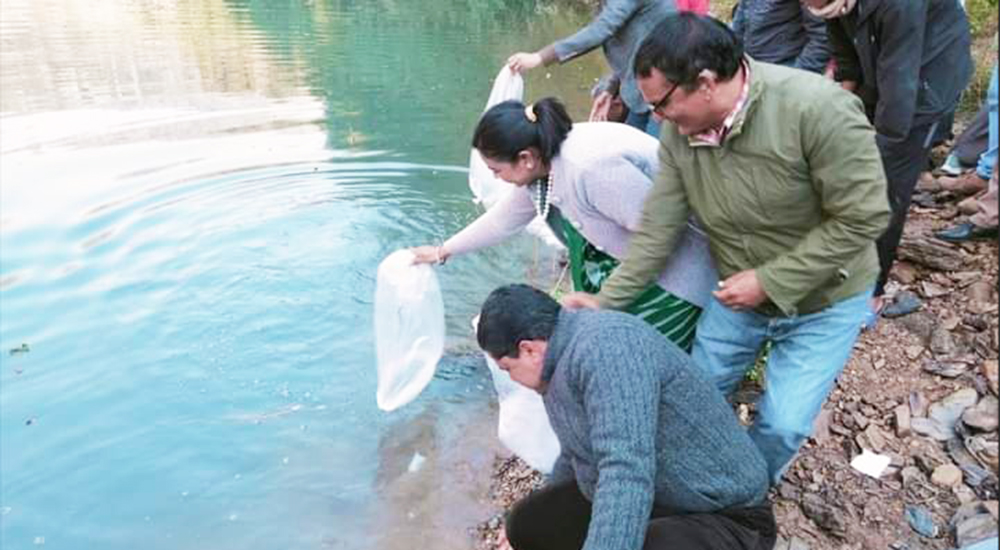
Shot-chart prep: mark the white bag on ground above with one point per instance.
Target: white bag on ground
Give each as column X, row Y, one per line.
column 523, row 425
column 409, row 328
column 486, row 187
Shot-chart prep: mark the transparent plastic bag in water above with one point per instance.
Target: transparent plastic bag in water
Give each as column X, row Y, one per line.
column 409, row 328
column 523, row 425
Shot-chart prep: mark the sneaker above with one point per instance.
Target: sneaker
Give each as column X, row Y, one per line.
column 969, row 183
column 966, row 232
column 951, row 167
column 903, row 303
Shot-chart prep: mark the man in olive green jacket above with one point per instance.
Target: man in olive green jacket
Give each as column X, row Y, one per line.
column 781, row 168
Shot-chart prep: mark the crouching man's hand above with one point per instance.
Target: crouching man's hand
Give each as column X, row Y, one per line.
column 580, row 300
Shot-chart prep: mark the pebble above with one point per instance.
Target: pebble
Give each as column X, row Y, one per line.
column 980, row 291
column 984, row 416
column 942, row 416
column 921, row 520
column 918, row 404
column 975, row 529
column 902, row 413
column 990, row 371
column 946, row 475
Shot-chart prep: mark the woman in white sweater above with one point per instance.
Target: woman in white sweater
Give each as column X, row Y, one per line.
column 588, row 182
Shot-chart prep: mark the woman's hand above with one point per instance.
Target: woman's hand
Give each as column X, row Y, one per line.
column 601, row 107
column 502, row 542
column 523, row 61
column 580, row 300
column 429, row 254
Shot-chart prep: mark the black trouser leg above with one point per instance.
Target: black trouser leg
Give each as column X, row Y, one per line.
column 903, row 161
column 734, row 529
column 557, row 518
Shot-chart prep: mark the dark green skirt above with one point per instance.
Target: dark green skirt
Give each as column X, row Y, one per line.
column 674, row 317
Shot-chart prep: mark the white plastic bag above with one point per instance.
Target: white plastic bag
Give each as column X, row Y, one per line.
column 486, row 187
column 523, row 426
column 409, row 328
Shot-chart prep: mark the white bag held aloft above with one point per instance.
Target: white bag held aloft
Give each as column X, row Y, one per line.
column 486, row 187
column 409, row 328
column 523, row 426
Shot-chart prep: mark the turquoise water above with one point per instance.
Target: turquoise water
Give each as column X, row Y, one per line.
column 194, row 197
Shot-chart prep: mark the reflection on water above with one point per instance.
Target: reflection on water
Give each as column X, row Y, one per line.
column 194, row 196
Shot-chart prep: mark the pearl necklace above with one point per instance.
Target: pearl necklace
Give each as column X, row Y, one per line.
column 543, row 188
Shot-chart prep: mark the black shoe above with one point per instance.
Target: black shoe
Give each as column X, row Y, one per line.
column 966, row 232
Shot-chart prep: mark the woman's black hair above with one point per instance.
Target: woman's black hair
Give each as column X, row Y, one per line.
column 505, row 130
column 684, row 44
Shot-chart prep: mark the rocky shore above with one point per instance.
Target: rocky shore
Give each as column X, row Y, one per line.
column 920, row 389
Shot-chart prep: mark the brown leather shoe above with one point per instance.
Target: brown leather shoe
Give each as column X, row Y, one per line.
column 927, row 182
column 969, row 205
column 967, row 184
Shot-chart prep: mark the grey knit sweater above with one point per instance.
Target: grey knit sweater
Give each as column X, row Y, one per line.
column 640, row 426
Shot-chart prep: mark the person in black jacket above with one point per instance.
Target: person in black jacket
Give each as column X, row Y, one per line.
column 909, row 61
column 782, row 32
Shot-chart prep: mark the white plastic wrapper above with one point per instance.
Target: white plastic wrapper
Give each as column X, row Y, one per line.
column 486, row 187
column 409, row 328
column 523, row 426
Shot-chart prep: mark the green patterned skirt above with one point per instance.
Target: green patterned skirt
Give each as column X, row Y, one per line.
column 673, row 317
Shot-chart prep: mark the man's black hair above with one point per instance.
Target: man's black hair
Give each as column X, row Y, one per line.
column 514, row 313
column 684, row 44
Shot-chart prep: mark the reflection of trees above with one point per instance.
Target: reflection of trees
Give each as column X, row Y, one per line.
column 61, row 54
column 412, row 76
column 401, row 76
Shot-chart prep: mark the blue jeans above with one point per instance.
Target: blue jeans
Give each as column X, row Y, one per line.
column 807, row 354
column 645, row 122
column 989, row 156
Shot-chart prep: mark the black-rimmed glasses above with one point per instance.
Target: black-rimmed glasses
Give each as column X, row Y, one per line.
column 655, row 107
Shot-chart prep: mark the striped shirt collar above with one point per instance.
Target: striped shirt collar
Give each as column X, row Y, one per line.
column 713, row 137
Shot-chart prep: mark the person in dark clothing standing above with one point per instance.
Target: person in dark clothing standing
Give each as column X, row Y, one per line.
column 618, row 29
column 909, row 61
column 782, row 32
column 652, row 456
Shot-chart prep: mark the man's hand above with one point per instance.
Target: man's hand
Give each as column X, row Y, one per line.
column 741, row 291
column 580, row 300
column 522, row 61
column 602, row 105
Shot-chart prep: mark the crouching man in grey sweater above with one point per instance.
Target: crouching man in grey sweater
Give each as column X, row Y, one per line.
column 652, row 455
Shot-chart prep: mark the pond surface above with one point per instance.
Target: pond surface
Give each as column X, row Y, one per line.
column 194, row 197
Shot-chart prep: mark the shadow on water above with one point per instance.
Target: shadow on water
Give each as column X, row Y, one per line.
column 194, row 197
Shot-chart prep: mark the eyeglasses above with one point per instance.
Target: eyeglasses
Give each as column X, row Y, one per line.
column 662, row 103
